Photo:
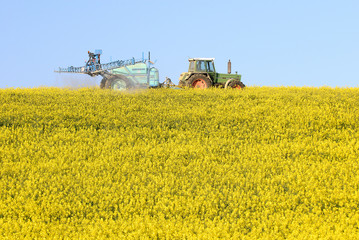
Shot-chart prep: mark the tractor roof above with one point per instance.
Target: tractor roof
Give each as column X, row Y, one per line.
column 199, row 59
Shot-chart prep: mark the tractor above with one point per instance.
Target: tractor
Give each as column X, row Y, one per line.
column 202, row 74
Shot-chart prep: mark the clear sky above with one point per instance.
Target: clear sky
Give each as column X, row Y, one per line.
column 271, row 43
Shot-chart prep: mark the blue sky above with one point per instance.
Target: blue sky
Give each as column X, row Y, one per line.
column 271, row 43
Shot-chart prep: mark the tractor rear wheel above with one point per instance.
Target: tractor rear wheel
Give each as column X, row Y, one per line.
column 232, row 83
column 199, row 81
column 119, row 83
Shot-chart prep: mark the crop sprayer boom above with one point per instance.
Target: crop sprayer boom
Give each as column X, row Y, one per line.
column 93, row 66
column 97, row 69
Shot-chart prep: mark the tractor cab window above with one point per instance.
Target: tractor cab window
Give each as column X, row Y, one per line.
column 210, row 67
column 191, row 66
column 201, row 66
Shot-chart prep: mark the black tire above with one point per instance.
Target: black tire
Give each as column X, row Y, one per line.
column 235, row 84
column 118, row 82
column 199, row 81
column 103, row 83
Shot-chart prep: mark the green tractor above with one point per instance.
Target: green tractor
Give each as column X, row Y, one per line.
column 202, row 74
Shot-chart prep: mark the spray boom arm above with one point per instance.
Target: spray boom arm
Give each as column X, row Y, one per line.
column 94, row 67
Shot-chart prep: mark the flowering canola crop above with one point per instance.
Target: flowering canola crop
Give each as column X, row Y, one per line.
column 261, row 163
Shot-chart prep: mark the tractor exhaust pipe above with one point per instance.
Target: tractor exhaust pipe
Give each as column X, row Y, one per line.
column 229, row 66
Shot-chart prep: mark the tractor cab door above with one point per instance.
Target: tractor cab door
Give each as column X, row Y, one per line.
column 211, row 71
column 201, row 66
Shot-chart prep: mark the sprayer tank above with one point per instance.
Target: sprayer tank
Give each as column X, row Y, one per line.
column 138, row 74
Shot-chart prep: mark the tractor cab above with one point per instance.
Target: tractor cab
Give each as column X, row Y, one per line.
column 198, row 65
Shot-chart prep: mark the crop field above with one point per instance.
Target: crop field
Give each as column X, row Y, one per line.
column 258, row 163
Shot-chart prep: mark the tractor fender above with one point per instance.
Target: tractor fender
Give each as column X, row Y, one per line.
column 204, row 73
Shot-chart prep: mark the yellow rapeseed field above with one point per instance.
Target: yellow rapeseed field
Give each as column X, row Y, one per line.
column 259, row 163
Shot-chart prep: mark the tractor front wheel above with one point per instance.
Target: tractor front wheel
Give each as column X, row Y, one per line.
column 199, row 81
column 232, row 83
